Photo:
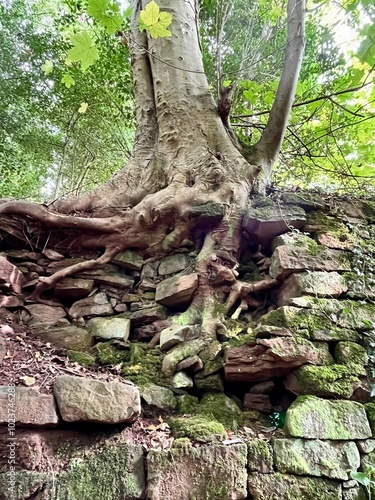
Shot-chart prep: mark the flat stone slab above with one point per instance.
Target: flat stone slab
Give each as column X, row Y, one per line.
column 315, row 418
column 67, row 337
column 28, row 407
column 210, row 472
column 287, row 259
column 10, row 276
column 331, row 459
column 110, row 328
column 160, row 397
column 87, row 400
column 177, row 291
column 177, row 334
column 41, row 314
column 96, row 305
column 73, row 288
column 275, row 357
column 172, row 264
column 287, row 487
column 316, row 283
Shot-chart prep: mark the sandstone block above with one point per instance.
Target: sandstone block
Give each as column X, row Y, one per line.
column 177, row 291
column 87, row 400
column 28, row 406
column 314, row 418
column 214, row 472
column 331, row 459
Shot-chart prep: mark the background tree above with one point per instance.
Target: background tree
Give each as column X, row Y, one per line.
column 189, row 179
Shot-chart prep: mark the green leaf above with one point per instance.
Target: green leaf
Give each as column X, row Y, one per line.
column 47, row 67
column 361, row 478
column 83, row 50
column 97, row 8
column 67, row 80
column 112, row 23
column 154, row 21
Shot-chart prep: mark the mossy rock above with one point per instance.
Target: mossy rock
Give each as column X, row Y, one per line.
column 82, row 358
column 222, row 408
column 213, row 383
column 113, row 472
column 288, row 487
column 260, row 456
column 144, row 367
column 196, row 427
column 187, row 404
column 331, row 381
column 370, row 410
column 214, row 472
column 350, row 353
column 109, row 354
column 315, row 418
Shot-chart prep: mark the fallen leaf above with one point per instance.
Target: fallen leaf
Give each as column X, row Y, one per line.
column 6, row 329
column 27, row 380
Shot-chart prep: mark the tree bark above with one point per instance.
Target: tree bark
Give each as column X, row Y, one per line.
column 183, row 162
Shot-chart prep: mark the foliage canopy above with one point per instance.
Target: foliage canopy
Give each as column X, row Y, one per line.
column 67, row 108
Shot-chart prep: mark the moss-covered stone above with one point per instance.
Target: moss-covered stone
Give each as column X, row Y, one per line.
column 205, row 473
column 350, row 353
column 82, row 358
column 260, row 456
column 109, row 354
column 145, row 366
column 159, row 397
column 196, row 427
column 334, row 380
column 315, row 418
column 222, row 408
column 186, row 404
column 370, row 410
column 213, row 383
column 114, row 472
column 287, row 487
column 325, row 319
column 313, row 457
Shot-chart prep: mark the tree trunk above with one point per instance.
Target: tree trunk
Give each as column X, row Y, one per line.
column 186, row 182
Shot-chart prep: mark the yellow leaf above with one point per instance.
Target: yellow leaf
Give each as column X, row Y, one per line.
column 27, row 380
column 150, row 15
column 83, row 108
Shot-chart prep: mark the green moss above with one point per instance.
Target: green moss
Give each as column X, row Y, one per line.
column 187, row 404
column 145, row 366
column 108, row 354
column 351, row 353
column 182, row 443
column 212, row 383
column 223, row 409
column 119, row 468
column 109, row 473
column 197, row 427
column 333, row 380
column 260, row 456
column 370, row 410
column 82, row 358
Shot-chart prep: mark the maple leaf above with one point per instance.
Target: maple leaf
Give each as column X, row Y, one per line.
column 154, row 21
column 83, row 50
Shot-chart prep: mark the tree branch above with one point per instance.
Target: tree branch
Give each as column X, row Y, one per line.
column 270, row 143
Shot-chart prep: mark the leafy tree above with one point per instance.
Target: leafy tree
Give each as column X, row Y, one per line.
column 190, row 178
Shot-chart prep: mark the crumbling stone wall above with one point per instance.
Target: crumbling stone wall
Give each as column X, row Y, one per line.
column 304, row 348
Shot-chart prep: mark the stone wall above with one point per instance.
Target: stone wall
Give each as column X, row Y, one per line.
column 299, row 358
